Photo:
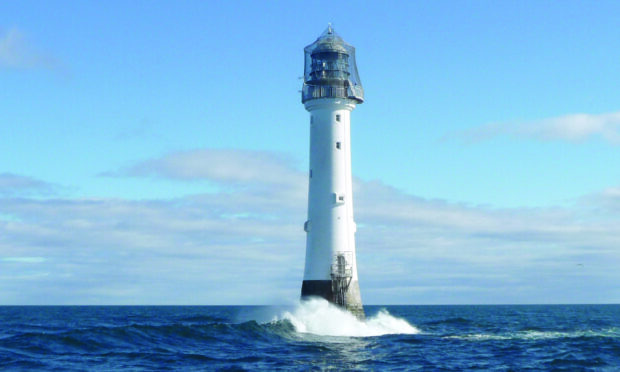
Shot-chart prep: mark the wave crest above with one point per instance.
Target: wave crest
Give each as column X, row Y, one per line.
column 319, row 317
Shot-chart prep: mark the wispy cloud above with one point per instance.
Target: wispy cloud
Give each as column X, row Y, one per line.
column 222, row 166
column 246, row 244
column 17, row 52
column 573, row 128
column 18, row 185
column 603, row 204
column 23, row 259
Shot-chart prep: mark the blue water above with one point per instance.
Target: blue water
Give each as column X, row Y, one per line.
column 238, row 338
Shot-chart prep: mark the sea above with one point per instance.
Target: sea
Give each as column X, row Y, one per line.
column 310, row 336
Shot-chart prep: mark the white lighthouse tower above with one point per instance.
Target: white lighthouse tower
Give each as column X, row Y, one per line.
column 330, row 92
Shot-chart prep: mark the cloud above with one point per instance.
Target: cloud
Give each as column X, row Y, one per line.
column 602, row 204
column 224, row 167
column 16, row 52
column 246, row 245
column 572, row 128
column 23, row 259
column 203, row 249
column 14, row 185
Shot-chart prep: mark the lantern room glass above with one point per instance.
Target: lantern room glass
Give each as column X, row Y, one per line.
column 330, row 70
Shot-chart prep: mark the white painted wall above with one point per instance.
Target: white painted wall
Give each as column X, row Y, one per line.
column 331, row 227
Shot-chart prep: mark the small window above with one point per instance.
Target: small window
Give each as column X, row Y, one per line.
column 338, row 117
column 311, row 119
column 338, row 198
column 310, row 173
column 338, row 145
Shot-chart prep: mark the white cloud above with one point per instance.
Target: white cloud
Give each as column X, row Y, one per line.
column 573, row 128
column 246, row 244
column 231, row 167
column 603, row 204
column 17, row 52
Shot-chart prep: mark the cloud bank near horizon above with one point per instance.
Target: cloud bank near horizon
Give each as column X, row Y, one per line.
column 245, row 245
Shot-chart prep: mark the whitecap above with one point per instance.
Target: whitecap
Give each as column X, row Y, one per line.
column 319, row 317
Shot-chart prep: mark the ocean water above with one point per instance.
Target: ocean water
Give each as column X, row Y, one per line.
column 312, row 336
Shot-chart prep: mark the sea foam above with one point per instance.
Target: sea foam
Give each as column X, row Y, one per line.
column 319, row 317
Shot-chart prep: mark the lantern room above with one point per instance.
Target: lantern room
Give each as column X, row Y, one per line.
column 330, row 70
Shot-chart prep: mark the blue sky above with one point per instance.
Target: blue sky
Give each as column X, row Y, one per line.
column 156, row 152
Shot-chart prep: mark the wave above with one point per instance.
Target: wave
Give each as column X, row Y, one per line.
column 540, row 335
column 319, row 317
column 312, row 335
column 201, row 319
column 449, row 321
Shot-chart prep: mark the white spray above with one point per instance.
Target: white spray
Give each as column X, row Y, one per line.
column 319, row 317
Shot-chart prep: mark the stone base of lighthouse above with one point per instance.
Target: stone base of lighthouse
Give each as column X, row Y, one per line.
column 323, row 288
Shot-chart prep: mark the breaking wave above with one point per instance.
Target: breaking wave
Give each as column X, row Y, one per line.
column 319, row 317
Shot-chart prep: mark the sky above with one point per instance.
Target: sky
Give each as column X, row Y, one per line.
column 156, row 152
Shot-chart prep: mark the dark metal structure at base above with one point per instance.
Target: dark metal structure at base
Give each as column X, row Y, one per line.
column 323, row 289
column 341, row 275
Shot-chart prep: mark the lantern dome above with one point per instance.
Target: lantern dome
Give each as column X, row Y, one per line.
column 330, row 70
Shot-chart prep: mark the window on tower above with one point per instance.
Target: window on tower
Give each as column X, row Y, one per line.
column 338, row 117
column 338, row 145
column 338, row 198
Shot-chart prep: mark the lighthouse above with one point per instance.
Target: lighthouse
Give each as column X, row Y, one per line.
column 330, row 92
